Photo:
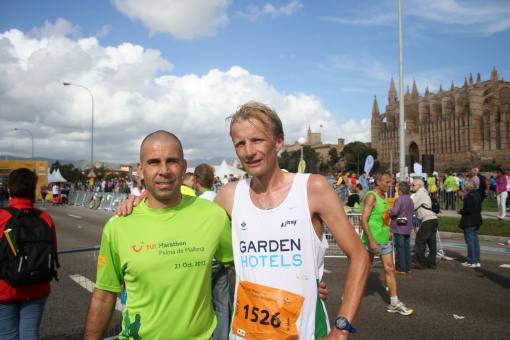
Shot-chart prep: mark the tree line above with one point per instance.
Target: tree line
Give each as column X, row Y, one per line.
column 351, row 158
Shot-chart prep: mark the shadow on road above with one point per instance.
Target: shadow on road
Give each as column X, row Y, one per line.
column 375, row 285
column 494, row 277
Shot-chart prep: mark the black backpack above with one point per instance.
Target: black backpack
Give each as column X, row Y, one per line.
column 27, row 254
column 435, row 207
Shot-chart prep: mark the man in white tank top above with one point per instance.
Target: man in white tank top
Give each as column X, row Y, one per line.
column 278, row 239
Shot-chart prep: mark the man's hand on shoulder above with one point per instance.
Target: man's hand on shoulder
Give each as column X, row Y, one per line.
column 126, row 207
column 323, row 291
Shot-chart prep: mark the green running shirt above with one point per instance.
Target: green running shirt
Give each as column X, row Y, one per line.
column 163, row 256
column 380, row 232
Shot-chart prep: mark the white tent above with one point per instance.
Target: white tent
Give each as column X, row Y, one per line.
column 56, row 176
column 225, row 169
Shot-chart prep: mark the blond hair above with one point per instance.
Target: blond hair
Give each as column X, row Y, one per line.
column 255, row 110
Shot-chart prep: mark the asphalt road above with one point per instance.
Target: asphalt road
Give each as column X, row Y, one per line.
column 451, row 302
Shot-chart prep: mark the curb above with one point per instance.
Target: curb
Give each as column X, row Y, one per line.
column 460, row 236
column 488, row 215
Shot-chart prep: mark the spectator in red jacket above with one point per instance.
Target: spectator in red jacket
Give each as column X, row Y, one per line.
column 21, row 307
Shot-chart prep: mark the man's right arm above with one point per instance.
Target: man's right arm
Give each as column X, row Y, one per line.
column 100, row 312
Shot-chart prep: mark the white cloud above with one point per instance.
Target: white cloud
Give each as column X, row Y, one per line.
column 60, row 28
column 365, row 20
column 472, row 17
column 134, row 94
column 183, row 19
column 253, row 12
column 104, row 31
column 356, row 130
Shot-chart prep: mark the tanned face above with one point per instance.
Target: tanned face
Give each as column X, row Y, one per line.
column 162, row 168
column 384, row 183
column 415, row 186
column 255, row 146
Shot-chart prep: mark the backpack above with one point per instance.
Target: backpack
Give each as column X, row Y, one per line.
column 27, row 253
column 435, row 207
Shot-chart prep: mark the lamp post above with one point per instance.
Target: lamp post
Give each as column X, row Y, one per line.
column 402, row 123
column 92, row 121
column 302, row 163
column 32, row 135
column 301, row 142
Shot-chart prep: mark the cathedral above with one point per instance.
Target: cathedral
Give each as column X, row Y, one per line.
column 459, row 128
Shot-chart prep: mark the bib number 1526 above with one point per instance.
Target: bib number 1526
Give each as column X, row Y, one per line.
column 262, row 316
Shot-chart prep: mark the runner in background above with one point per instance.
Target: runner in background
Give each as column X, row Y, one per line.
column 375, row 221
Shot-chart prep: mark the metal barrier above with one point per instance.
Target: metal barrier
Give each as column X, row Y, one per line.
column 333, row 249
column 108, row 201
column 67, row 306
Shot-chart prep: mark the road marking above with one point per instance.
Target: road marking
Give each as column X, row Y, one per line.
column 505, row 266
column 75, row 216
column 89, row 285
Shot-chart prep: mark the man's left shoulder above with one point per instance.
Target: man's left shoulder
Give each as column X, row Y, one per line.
column 318, row 182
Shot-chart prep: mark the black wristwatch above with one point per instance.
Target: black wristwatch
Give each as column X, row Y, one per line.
column 343, row 324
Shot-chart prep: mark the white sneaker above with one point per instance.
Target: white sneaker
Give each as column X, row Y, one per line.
column 399, row 308
column 476, row 265
column 470, row 265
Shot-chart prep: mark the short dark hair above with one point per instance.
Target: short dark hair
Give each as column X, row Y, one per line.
column 204, row 173
column 378, row 177
column 162, row 133
column 21, row 183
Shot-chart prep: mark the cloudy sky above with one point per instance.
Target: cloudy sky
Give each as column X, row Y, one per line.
column 184, row 65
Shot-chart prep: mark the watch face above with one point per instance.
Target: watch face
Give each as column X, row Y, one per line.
column 341, row 323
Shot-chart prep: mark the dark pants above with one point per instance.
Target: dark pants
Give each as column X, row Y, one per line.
column 402, row 252
column 426, row 237
column 450, row 198
column 221, row 301
column 473, row 244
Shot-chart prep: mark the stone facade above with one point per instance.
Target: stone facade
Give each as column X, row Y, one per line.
column 314, row 140
column 461, row 127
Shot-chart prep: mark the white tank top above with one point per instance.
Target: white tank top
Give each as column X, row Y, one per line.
column 279, row 248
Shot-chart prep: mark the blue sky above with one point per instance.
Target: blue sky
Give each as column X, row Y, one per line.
column 185, row 65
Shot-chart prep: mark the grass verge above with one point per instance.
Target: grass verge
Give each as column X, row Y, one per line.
column 492, row 227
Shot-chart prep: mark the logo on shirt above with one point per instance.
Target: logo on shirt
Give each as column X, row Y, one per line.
column 137, row 249
column 149, row 246
column 101, row 260
column 287, row 223
column 243, row 226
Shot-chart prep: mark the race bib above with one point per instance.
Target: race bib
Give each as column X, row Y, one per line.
column 263, row 312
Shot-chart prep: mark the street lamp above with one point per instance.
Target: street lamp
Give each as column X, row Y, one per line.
column 301, row 142
column 92, row 124
column 32, row 135
column 302, row 163
column 401, row 129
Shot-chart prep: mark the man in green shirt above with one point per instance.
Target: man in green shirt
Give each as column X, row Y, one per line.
column 188, row 184
column 451, row 187
column 376, row 237
column 162, row 253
